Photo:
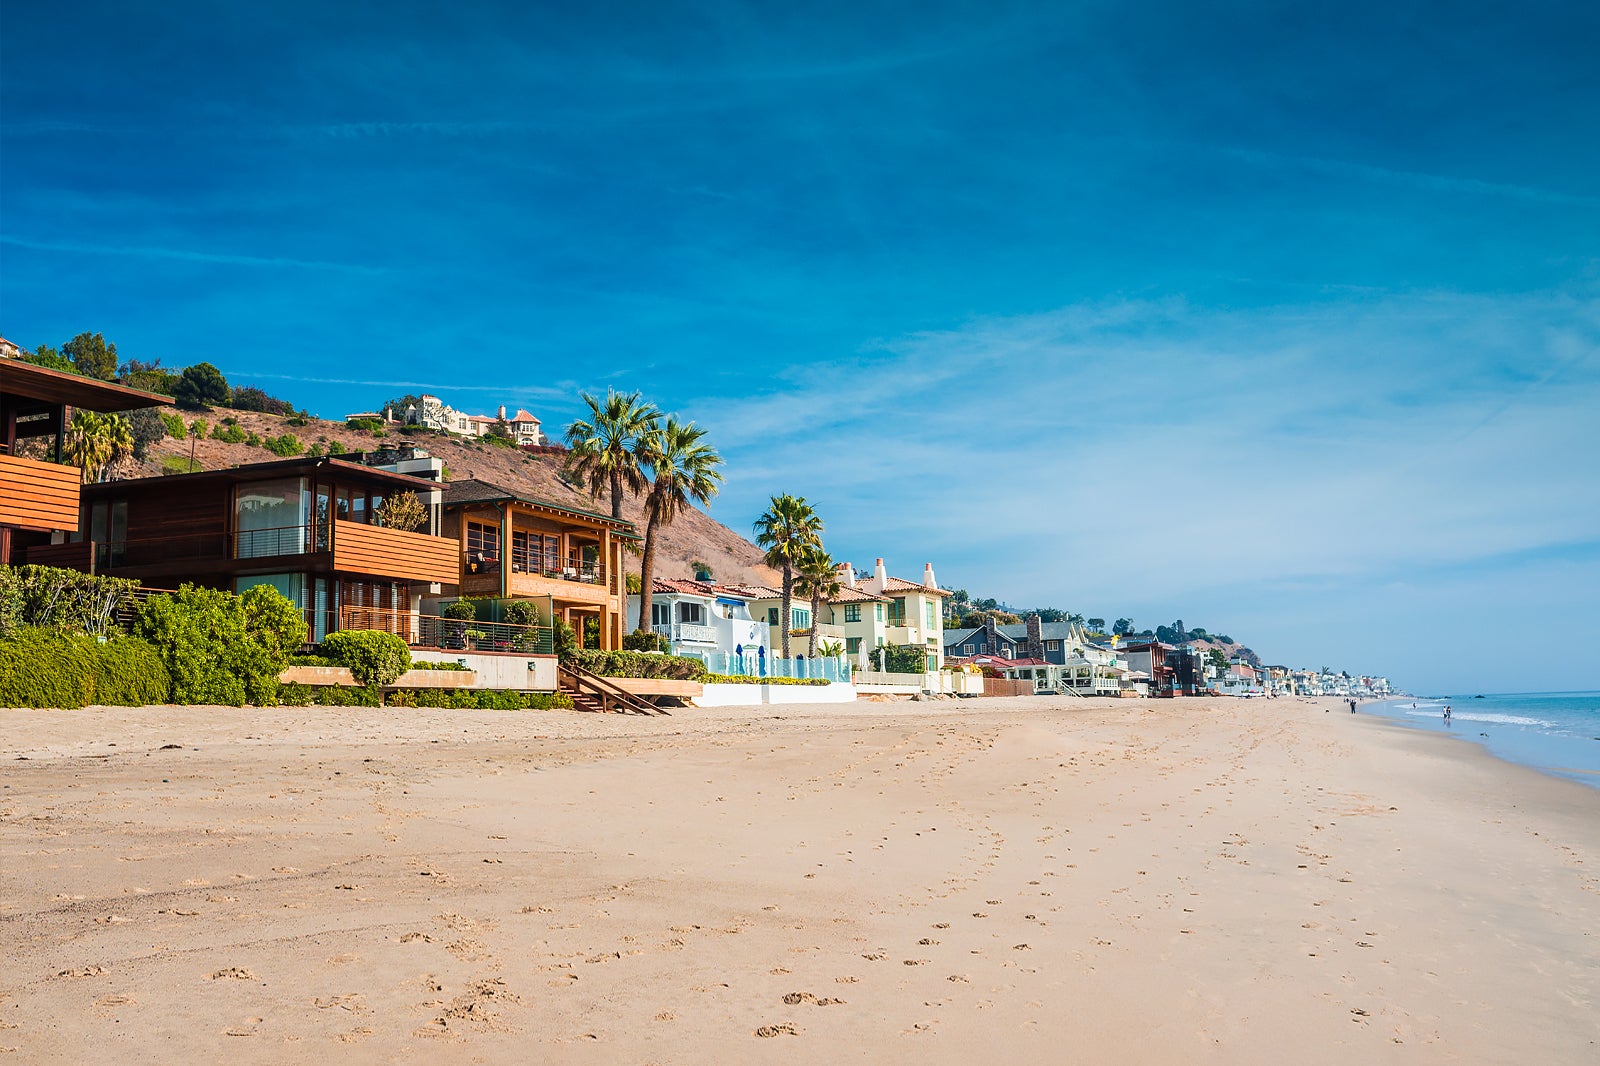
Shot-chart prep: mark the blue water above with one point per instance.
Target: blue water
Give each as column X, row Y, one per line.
column 1557, row 732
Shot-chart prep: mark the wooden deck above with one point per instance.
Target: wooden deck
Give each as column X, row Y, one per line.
column 35, row 495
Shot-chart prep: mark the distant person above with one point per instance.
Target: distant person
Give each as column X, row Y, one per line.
column 1352, row 706
column 1447, row 712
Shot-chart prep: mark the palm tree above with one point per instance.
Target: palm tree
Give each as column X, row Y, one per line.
column 604, row 447
column 816, row 576
column 94, row 441
column 784, row 532
column 683, row 470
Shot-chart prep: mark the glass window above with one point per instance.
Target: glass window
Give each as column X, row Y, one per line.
column 852, row 612
column 660, row 614
column 799, row 618
column 483, row 539
column 928, row 620
column 691, row 613
column 772, row 616
column 1052, row 645
column 966, row 649
column 879, row 612
column 852, row 645
column 271, row 518
column 897, row 612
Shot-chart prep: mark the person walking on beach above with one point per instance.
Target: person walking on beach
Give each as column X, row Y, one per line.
column 1447, row 712
column 1352, row 706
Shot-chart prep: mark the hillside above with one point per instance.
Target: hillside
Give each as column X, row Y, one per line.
column 694, row 536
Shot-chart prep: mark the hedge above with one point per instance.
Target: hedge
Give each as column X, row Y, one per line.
column 640, row 664
column 295, row 695
column 221, row 648
column 751, row 679
column 67, row 600
column 44, row 668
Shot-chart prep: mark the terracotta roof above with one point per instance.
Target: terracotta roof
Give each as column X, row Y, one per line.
column 703, row 588
column 850, row 595
column 1006, row 664
column 900, row 584
column 522, row 416
column 754, row 592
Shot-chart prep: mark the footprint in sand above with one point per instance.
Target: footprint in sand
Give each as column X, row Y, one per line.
column 781, row 1029
column 233, row 973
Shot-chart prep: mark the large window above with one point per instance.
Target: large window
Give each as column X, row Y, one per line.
column 535, row 553
column 660, row 613
column 272, row 518
column 878, row 611
column 897, row 612
column 799, row 618
column 772, row 616
column 693, row 613
column 483, row 541
column 852, row 612
column 929, row 621
column 852, row 645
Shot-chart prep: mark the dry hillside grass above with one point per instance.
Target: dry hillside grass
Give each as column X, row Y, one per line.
column 694, row 536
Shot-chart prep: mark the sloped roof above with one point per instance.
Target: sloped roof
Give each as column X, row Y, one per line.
column 710, row 589
column 900, row 584
column 753, row 592
column 472, row 490
column 26, row 381
column 522, row 416
column 850, row 595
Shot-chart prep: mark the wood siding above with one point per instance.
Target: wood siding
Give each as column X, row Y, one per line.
column 35, row 495
column 363, row 549
column 79, row 556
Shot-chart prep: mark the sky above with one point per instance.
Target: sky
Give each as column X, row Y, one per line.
column 1282, row 320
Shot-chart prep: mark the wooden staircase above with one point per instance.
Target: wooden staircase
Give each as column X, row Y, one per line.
column 591, row 692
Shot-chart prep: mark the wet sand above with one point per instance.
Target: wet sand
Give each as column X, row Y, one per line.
column 1034, row 879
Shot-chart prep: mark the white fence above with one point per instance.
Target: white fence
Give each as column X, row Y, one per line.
column 757, row 665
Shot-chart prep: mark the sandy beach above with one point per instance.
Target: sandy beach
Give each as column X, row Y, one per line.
column 1029, row 879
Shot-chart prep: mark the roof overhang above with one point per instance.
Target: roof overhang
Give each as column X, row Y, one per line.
column 53, row 388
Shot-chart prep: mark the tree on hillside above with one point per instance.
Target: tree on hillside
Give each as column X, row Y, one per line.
column 50, row 359
column 151, row 377
column 92, row 356
column 816, row 577
column 784, row 532
column 250, row 398
column 1124, row 626
column 201, row 385
column 976, row 619
column 603, row 448
column 397, row 406
column 1097, row 624
column 683, row 470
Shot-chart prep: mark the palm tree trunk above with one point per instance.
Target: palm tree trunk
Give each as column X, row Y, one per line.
column 816, row 615
column 647, row 566
column 783, row 615
column 616, row 494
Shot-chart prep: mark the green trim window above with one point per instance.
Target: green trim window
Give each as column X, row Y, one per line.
column 929, row 619
column 852, row 612
column 878, row 610
column 799, row 618
column 897, row 612
column 852, row 645
column 772, row 616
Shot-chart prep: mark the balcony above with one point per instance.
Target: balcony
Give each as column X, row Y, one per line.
column 687, row 632
column 451, row 634
column 35, row 495
column 383, row 552
column 572, row 579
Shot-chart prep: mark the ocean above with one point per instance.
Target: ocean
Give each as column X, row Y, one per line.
column 1556, row 732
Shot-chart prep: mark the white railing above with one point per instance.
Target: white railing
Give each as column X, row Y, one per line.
column 687, row 631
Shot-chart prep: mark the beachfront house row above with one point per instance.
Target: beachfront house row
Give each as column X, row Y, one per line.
column 1065, row 656
column 707, row 621
column 311, row 528
column 870, row 612
column 514, row 546
column 39, row 496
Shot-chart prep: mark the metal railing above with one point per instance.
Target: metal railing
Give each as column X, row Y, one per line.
column 451, row 634
column 541, row 564
column 755, row 664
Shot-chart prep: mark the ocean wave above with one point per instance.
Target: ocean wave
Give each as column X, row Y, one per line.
column 1494, row 719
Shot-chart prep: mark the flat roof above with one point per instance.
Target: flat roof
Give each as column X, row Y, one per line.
column 52, row 387
column 263, row 471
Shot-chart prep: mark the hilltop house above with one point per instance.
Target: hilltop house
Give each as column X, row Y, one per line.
column 40, row 501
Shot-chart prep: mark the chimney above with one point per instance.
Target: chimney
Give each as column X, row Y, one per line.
column 388, row 414
column 880, row 578
column 1035, row 637
column 502, row 412
column 847, row 575
column 927, row 577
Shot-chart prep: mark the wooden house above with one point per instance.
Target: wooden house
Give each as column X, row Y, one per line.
column 39, row 500
column 520, row 547
column 307, row 527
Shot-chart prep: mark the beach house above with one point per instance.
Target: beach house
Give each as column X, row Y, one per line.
column 515, row 546
column 39, row 496
column 311, row 528
column 869, row 612
column 708, row 621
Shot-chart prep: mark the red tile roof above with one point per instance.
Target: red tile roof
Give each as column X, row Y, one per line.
column 850, row 595
column 900, row 584
column 709, row 588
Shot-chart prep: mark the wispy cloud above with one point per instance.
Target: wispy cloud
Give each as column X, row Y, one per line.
column 191, row 255
column 1419, row 180
column 557, row 390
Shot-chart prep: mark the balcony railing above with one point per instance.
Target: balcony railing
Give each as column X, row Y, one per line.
column 692, row 632
column 450, row 634
column 573, row 568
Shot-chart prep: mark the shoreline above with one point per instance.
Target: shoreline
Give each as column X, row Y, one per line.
column 1145, row 881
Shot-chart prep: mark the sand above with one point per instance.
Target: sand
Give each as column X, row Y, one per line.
column 1019, row 880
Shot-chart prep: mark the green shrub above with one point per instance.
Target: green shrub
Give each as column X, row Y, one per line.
column 461, row 609
column 180, row 464
column 44, row 668
column 232, row 433
column 424, row 664
column 519, row 613
column 67, row 600
column 285, row 446
column 900, row 659
column 252, row 439
column 566, row 640
column 371, row 425
column 10, row 601
column 640, row 664
column 197, row 428
column 646, row 640
column 374, row 657
column 47, row 668
column 129, row 673
column 311, row 660
column 492, row 700
column 175, row 424
column 222, row 648
column 295, row 694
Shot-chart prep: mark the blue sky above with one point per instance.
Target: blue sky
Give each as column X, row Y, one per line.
column 1278, row 320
